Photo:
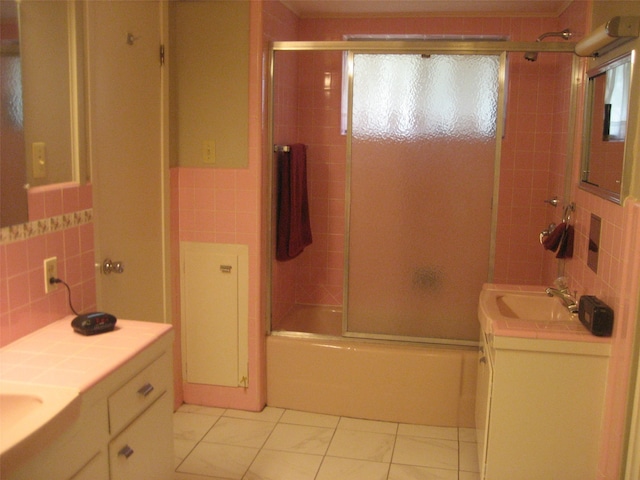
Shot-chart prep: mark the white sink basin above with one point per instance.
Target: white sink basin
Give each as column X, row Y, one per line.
column 15, row 406
column 522, row 306
column 538, row 307
column 31, row 412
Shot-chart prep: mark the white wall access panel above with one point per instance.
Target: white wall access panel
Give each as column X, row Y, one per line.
column 215, row 311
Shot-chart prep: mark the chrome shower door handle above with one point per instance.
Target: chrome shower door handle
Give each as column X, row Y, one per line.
column 108, row 266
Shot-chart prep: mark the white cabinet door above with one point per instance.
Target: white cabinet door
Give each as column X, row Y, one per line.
column 214, row 286
column 96, row 469
column 144, row 450
column 545, row 416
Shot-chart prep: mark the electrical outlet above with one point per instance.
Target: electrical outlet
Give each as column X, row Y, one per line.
column 50, row 271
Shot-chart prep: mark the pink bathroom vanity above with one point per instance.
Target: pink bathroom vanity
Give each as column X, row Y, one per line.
column 114, row 393
column 540, row 387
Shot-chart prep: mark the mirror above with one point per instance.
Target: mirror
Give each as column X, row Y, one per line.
column 13, row 173
column 42, row 100
column 605, row 128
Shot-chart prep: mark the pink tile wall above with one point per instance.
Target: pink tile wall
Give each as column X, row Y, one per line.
column 58, row 227
column 616, row 282
column 622, row 356
column 218, row 205
column 320, row 269
column 285, row 133
column 532, row 168
column 532, row 152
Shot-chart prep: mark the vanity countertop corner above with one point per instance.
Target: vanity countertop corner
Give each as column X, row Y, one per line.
column 56, row 355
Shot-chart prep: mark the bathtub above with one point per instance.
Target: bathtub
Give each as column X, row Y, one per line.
column 387, row 381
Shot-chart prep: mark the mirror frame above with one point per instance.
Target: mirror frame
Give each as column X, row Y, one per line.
column 591, row 74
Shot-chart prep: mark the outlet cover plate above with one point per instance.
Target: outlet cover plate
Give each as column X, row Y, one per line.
column 50, row 270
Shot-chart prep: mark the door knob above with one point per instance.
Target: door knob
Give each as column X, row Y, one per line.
column 108, row 266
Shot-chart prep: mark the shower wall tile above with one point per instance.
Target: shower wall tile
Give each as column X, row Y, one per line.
column 533, row 152
column 616, row 281
column 281, row 24
column 530, row 156
column 319, row 128
column 527, row 169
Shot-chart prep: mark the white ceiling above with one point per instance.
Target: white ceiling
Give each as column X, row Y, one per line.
column 337, row 8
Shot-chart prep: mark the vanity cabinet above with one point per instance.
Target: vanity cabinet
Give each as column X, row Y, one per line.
column 139, row 410
column 123, row 430
column 145, row 448
column 539, row 408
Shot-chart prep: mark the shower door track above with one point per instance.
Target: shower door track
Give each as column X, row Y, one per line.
column 419, row 46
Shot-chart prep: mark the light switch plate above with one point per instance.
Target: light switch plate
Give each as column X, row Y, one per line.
column 209, row 152
column 39, row 158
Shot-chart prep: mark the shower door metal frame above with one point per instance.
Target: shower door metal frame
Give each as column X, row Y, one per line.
column 434, row 47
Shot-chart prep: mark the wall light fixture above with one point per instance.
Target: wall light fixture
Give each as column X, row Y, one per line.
column 608, row 36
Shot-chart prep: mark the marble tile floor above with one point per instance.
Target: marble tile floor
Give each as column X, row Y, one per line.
column 279, row 444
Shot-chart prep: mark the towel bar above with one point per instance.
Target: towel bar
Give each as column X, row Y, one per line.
column 281, row 148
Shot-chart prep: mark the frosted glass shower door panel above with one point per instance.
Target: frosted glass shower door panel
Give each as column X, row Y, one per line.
column 421, row 186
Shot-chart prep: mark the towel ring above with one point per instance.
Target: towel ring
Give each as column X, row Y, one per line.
column 566, row 215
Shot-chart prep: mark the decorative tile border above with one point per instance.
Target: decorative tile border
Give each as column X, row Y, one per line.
column 28, row 230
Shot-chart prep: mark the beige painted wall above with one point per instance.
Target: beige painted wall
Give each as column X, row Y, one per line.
column 211, row 48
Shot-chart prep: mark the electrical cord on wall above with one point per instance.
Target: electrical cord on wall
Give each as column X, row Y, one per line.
column 54, row 280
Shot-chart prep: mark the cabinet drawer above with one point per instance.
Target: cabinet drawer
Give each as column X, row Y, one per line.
column 144, row 450
column 139, row 393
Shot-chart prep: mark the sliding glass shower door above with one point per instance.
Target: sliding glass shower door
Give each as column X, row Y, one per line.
column 420, row 189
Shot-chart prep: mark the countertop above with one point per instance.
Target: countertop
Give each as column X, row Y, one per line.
column 56, row 355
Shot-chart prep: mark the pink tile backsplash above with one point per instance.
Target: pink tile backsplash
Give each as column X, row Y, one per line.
column 60, row 225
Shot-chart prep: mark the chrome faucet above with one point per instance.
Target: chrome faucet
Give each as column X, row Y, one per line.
column 563, row 293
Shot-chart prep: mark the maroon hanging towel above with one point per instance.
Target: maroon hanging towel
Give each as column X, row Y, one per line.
column 294, row 226
column 552, row 241
column 565, row 249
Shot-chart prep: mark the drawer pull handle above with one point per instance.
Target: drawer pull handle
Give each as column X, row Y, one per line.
column 126, row 451
column 146, row 389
